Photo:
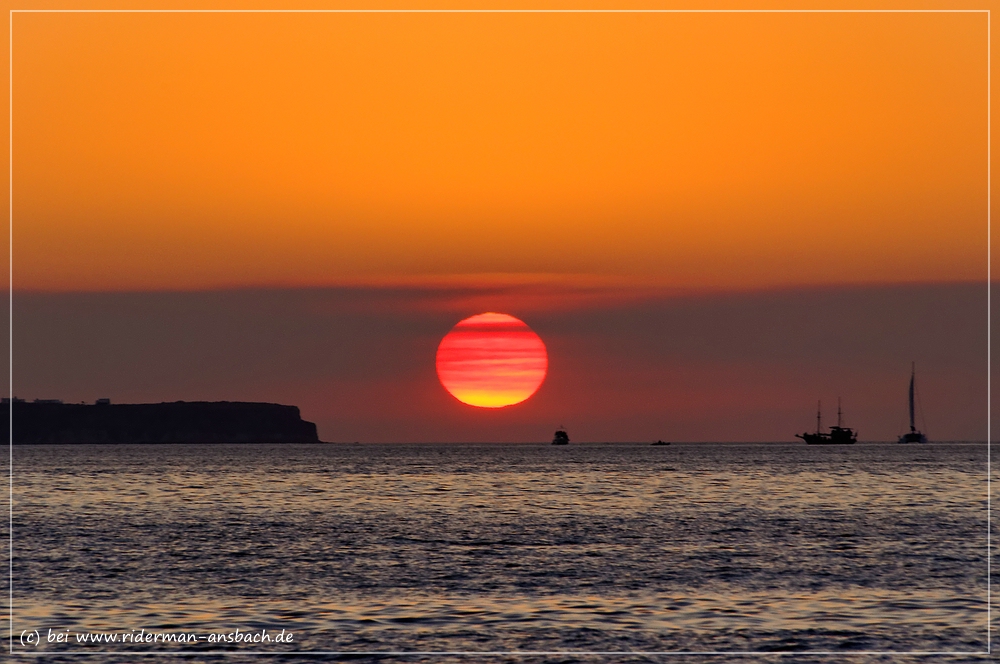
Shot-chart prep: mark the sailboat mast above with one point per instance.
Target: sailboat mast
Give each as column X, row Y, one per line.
column 819, row 410
column 913, row 375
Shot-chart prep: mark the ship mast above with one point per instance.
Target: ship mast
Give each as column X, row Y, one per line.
column 913, row 375
column 819, row 410
column 838, row 412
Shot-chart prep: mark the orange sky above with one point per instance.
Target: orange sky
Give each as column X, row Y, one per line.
column 176, row 151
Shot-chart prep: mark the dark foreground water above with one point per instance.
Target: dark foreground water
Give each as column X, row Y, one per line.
column 429, row 548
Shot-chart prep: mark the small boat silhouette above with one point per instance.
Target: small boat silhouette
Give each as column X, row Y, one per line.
column 660, row 442
column 561, row 437
column 913, row 435
column 839, row 435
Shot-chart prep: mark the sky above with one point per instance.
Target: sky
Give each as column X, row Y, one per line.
column 360, row 361
column 711, row 220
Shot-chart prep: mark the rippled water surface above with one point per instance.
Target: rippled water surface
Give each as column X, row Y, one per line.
column 711, row 547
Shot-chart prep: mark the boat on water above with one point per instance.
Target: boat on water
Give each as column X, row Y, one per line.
column 838, row 435
column 661, row 442
column 561, row 437
column 913, row 435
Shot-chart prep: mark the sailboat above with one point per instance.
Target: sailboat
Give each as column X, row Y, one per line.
column 839, row 435
column 913, row 436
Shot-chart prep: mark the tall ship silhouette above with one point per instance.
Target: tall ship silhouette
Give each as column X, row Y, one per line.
column 838, row 435
column 913, row 435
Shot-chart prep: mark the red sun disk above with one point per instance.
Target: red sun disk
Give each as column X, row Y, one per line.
column 491, row 360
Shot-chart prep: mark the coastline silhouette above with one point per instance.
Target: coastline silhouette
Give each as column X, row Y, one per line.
column 50, row 421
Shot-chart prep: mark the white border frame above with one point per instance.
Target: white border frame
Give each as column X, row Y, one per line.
column 524, row 653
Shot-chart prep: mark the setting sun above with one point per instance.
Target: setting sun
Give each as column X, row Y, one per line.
column 491, row 360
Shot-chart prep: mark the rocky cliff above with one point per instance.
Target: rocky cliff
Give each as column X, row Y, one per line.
column 178, row 422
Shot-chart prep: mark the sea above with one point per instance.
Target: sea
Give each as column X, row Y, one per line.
column 693, row 552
